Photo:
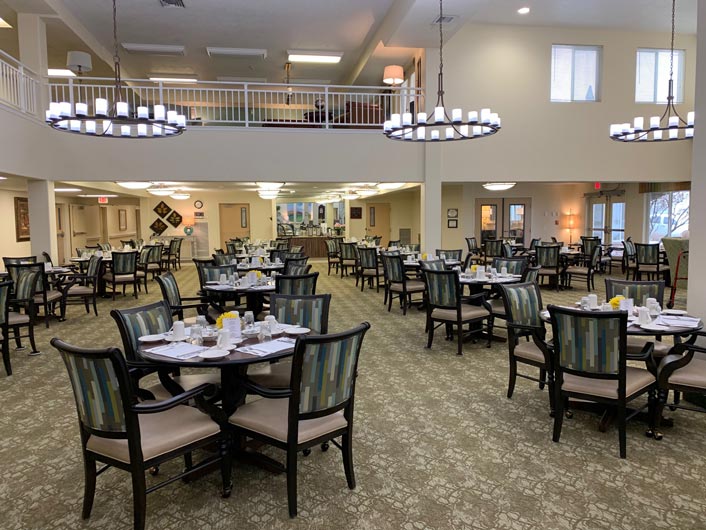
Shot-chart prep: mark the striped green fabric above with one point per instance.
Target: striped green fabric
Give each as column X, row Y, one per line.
column 297, row 285
column 535, row 241
column 144, row 255
column 93, row 267
column 629, row 248
column 638, row 291
column 26, row 282
column 223, row 259
column 305, row 312
column 97, row 392
column 507, row 250
column 170, row 289
column 514, row 266
column 523, row 303
column 19, row 261
column 589, row 243
column 647, row 254
column 296, row 249
column 349, row 251
column 147, row 322
column 472, row 243
column 155, row 255
column 175, row 246
column 415, row 247
column 548, row 256
column 587, row 344
column 368, row 258
column 433, row 265
column 327, row 374
column 212, row 273
column 4, row 295
column 106, row 247
column 394, row 267
column 494, row 247
column 124, row 263
column 331, row 246
column 531, row 275
column 230, row 248
column 296, row 270
column 441, row 288
column 450, row 254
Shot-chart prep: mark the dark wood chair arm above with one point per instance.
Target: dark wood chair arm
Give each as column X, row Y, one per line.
column 161, row 406
column 266, row 392
column 675, row 360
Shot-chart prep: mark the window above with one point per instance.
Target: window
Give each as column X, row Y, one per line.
column 652, row 76
column 667, row 215
column 575, row 73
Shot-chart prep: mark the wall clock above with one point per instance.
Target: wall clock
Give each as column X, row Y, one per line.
column 198, row 205
column 452, row 213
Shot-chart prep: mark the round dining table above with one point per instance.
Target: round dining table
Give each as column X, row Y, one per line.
column 218, row 293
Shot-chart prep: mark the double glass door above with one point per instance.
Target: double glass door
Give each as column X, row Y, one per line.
column 503, row 218
column 606, row 218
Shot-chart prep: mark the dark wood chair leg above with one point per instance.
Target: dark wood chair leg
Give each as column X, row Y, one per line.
column 512, row 377
column 347, row 451
column 292, row 480
column 139, row 498
column 226, row 465
column 558, row 414
column 459, row 337
column 89, row 487
column 85, row 303
column 430, row 329
column 95, row 308
column 6, row 352
column 542, row 378
column 31, row 337
column 621, row 430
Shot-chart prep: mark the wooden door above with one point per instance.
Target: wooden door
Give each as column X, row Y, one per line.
column 378, row 221
column 60, row 234
column 235, row 221
column 489, row 216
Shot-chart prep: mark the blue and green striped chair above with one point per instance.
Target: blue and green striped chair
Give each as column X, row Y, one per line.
column 369, row 268
column 5, row 288
column 319, row 404
column 123, row 272
column 332, row 255
column 177, row 304
column 444, row 305
column 304, row 284
column 397, row 284
column 531, row 274
column 590, row 363
column 349, row 258
column 84, row 287
column 588, row 271
column 523, row 306
column 293, row 266
column 492, row 248
column 22, row 304
column 432, row 265
column 548, row 261
column 452, row 255
column 224, row 259
column 647, row 258
column 120, row 432
column 514, row 266
column 150, row 262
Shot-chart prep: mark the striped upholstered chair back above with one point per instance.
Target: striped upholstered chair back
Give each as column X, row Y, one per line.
column 548, row 256
column 293, row 265
column 349, row 251
column 513, row 265
column 456, row 254
column 638, row 291
column 170, row 289
column 433, row 265
column 531, row 274
column 100, row 384
column 589, row 243
column 224, row 259
column 125, row 262
column 442, row 288
column 4, row 296
column 589, row 343
column 472, row 244
column 394, row 268
column 212, row 273
column 331, row 247
column 94, row 266
column 307, row 311
column 647, row 254
column 138, row 321
column 494, row 248
column 304, row 284
column 368, row 258
column 324, row 369
column 523, row 304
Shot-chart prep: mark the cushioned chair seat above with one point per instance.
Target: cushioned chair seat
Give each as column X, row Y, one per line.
column 413, row 286
column 274, row 375
column 496, row 306
column 160, row 433
column 120, row 278
column 140, row 274
column 334, row 260
column 17, row 319
column 636, row 344
column 693, row 374
column 371, row 272
column 187, row 382
column 653, row 268
column 529, row 351
column 468, row 312
column 153, row 266
column 269, row 417
column 80, row 290
column 636, row 379
column 51, row 296
column 577, row 270
column 548, row 272
column 349, row 262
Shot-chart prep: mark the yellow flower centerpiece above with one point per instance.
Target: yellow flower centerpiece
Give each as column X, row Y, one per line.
column 223, row 316
column 615, row 302
column 259, row 274
column 424, row 256
column 474, row 268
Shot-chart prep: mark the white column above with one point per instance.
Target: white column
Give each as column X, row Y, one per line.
column 697, row 215
column 32, row 37
column 430, row 203
column 42, row 217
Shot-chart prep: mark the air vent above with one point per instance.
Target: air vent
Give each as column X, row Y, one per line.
column 446, row 19
column 172, row 3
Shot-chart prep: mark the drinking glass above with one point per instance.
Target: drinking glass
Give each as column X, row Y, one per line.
column 249, row 319
column 196, row 335
column 265, row 332
column 201, row 321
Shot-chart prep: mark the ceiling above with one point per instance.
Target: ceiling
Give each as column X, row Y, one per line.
column 370, row 33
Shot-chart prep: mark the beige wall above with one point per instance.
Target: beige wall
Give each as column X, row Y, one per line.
column 404, row 213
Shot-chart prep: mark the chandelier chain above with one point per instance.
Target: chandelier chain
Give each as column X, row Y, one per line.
column 671, row 56
column 116, row 54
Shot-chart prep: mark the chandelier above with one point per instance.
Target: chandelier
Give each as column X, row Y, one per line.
column 441, row 126
column 671, row 126
column 115, row 121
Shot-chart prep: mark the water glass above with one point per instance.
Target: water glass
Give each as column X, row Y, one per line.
column 265, row 332
column 201, row 321
column 249, row 319
column 196, row 335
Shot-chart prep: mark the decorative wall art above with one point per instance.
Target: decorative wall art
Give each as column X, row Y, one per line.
column 122, row 220
column 174, row 219
column 158, row 227
column 452, row 223
column 21, row 219
column 162, row 209
column 356, row 212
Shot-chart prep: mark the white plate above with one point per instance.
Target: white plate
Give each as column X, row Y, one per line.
column 654, row 327
column 297, row 331
column 151, row 338
column 169, row 338
column 214, row 354
column 675, row 312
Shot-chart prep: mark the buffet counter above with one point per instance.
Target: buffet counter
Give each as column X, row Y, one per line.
column 313, row 246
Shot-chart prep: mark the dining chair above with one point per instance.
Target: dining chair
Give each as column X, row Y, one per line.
column 149, row 261
column 296, row 249
column 548, row 261
column 5, row 288
column 46, row 294
column 317, row 407
column 118, row 431
column 456, row 254
column 590, row 363
column 629, row 259
column 200, row 263
column 349, row 258
column 84, row 287
column 588, row 243
column 22, row 309
column 124, row 271
column 291, row 263
column 153, row 319
column 304, row 284
column 18, row 260
column 531, row 274
column 224, row 259
column 432, row 264
column 398, row 284
column 493, row 248
column 444, row 305
column 369, row 269
column 523, row 306
column 647, row 259
column 231, row 248
column 393, row 243
column 472, row 244
column 105, row 247
column 177, row 304
column 588, row 270
column 507, row 250
column 514, row 265
column 332, row 256
column 171, row 256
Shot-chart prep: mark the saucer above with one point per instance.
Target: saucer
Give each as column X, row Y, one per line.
column 170, row 338
column 151, row 338
column 654, row 327
column 297, row 331
column 213, row 354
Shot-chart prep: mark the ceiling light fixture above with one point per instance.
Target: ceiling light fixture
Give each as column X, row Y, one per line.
column 153, row 49
column 523, row 10
column 115, row 121
column 351, row 196
column 180, row 196
column 366, row 192
column 236, row 52
column 393, row 75
column 79, row 62
column 134, row 185
column 671, row 126
column 96, row 195
column 67, row 190
column 4, row 24
column 441, row 126
column 268, row 194
column 269, row 185
column 390, row 185
column 299, row 56
column 161, row 190
column 498, row 186
column 60, row 72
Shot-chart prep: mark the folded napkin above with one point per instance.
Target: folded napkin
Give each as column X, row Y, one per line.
column 221, row 287
column 267, row 348
column 677, row 321
column 178, row 350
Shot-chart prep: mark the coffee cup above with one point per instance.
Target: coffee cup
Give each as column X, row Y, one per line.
column 222, row 279
column 585, row 304
column 643, row 315
column 626, row 304
column 178, row 330
column 606, row 307
column 223, row 340
column 503, row 271
column 271, row 323
column 592, row 301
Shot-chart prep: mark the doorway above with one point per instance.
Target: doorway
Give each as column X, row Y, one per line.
column 234, row 220
column 378, row 220
column 60, row 233
column 606, row 218
column 503, row 218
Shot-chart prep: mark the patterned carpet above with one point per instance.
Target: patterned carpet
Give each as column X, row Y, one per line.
column 437, row 446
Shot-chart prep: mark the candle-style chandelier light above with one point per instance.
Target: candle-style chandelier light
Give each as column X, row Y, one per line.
column 442, row 127
column 671, row 126
column 116, row 121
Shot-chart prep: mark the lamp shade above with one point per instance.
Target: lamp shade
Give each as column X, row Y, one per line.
column 79, row 62
column 393, row 75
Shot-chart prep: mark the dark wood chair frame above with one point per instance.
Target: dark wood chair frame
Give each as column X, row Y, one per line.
column 192, row 302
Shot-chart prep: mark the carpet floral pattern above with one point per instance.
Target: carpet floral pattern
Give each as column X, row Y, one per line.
column 437, row 445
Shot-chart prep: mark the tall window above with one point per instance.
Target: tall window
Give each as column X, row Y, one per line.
column 575, row 73
column 668, row 214
column 652, row 76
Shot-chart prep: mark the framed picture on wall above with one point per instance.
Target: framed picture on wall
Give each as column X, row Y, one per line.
column 452, row 223
column 452, row 213
column 21, row 219
column 122, row 220
column 356, row 212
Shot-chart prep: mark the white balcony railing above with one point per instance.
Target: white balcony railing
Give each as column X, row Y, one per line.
column 19, row 86
column 250, row 105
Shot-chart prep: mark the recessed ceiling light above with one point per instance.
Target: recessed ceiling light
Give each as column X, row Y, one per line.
column 4, row 24
column 154, row 49
column 268, row 194
column 180, row 196
column 67, row 190
column 269, row 185
column 523, row 10
column 299, row 56
column 134, row 185
column 174, row 79
column 94, row 196
column 161, row 191
column 60, row 72
column 236, row 52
